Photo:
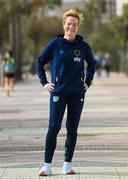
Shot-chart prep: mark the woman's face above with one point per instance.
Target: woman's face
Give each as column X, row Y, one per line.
column 70, row 27
column 7, row 55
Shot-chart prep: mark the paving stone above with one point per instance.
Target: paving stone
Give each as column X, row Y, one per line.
column 102, row 146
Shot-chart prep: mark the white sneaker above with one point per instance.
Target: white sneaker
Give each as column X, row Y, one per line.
column 46, row 170
column 67, row 168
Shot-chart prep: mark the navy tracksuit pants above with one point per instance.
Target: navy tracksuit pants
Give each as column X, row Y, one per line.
column 58, row 103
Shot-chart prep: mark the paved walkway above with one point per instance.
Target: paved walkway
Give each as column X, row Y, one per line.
column 102, row 146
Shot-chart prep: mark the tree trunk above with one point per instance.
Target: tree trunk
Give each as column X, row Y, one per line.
column 15, row 41
column 18, row 46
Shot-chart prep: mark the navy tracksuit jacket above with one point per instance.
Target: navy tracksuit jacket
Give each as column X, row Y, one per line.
column 67, row 59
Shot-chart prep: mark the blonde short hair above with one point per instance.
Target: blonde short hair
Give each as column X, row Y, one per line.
column 73, row 13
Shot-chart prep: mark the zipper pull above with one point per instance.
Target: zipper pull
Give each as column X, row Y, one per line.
column 82, row 79
column 57, row 78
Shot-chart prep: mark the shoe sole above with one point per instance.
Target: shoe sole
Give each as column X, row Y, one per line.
column 43, row 174
column 70, row 173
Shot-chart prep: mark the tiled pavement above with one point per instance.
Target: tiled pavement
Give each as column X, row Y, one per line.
column 102, row 146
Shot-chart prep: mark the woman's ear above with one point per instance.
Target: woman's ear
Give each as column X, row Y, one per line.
column 63, row 24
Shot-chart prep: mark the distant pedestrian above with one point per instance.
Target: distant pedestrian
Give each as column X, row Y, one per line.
column 107, row 64
column 98, row 58
column 67, row 54
column 9, row 72
column 1, row 70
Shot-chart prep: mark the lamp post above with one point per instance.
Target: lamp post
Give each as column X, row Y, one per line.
column 126, row 49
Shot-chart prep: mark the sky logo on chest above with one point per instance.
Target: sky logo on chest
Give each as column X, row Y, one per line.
column 77, row 54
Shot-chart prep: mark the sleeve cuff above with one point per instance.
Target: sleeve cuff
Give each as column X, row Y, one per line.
column 88, row 83
column 44, row 83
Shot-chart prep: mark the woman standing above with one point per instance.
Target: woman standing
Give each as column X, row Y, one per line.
column 67, row 54
column 9, row 72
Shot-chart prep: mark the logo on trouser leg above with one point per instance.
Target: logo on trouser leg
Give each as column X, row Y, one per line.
column 81, row 99
column 55, row 98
